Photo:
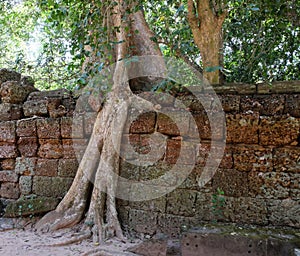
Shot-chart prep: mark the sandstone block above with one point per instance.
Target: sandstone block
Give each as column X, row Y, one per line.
column 25, row 185
column 252, row 158
column 9, row 190
column 28, row 146
column 8, row 75
column 13, row 92
column 26, row 127
column 277, row 131
column 246, row 210
column 266, row 105
column 287, row 159
column 232, row 182
column 8, row 131
column 271, row 185
column 67, row 167
column 10, row 112
column 72, row 127
column 242, row 128
column 7, row 164
column 46, row 167
column 8, row 176
column 74, row 148
column 145, row 123
column 54, row 94
column 48, row 128
column 8, row 150
column 174, row 123
column 230, row 103
column 35, row 108
column 30, row 206
column 284, row 212
column 25, row 166
column 292, row 105
column 50, row 148
column 181, row 152
column 181, row 202
column 51, row 186
column 143, row 221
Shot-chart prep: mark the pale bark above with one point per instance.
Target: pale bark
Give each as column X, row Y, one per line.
column 207, row 32
column 101, row 158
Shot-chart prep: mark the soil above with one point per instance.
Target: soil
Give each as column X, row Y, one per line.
column 18, row 237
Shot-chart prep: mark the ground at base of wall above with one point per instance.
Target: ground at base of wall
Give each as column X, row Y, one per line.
column 19, row 238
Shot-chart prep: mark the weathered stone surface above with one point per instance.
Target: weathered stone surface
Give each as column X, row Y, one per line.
column 28, row 146
column 10, row 112
column 26, row 127
column 190, row 102
column 74, row 148
column 25, row 166
column 174, row 225
column 269, row 185
column 7, row 164
column 284, row 212
column 8, row 150
column 8, row 131
column 266, row 105
column 292, row 105
column 67, row 167
column 9, row 190
column 181, row 152
column 252, row 158
column 27, row 81
column 246, row 210
column 182, row 202
column 174, row 123
column 13, row 92
column 287, row 159
column 155, row 205
column 77, row 130
column 8, row 75
column 46, row 167
column 51, row 186
column 30, row 206
column 55, row 108
column 66, row 127
column 89, row 121
column 235, row 88
column 48, row 128
column 232, row 182
column 242, row 128
column 295, row 185
column 226, row 155
column 277, row 131
column 279, row 87
column 8, row 176
column 54, row 94
column 25, row 185
column 50, row 148
column 230, row 103
column 143, row 221
column 145, row 123
column 153, row 247
column 35, row 108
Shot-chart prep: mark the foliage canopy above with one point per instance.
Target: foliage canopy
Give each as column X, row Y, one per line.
column 50, row 39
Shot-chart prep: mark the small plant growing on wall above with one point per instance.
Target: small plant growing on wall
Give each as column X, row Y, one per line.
column 218, row 203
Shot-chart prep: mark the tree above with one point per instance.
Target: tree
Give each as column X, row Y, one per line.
column 101, row 157
column 206, row 20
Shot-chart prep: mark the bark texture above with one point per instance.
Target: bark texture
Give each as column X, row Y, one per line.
column 206, row 25
column 95, row 204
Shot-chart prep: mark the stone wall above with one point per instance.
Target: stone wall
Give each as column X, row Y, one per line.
column 257, row 181
column 37, row 159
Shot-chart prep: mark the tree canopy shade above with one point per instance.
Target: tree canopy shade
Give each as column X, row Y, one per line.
column 260, row 38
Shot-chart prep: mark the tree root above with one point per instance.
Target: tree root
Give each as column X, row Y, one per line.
column 74, row 240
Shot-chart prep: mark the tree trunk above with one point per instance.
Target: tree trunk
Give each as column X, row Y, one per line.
column 207, row 33
column 101, row 158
